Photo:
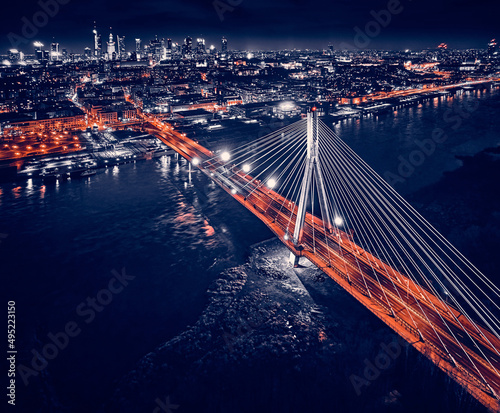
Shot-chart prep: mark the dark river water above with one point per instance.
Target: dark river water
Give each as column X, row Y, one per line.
column 62, row 246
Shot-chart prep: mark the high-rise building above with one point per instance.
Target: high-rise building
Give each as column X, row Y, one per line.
column 120, row 41
column 39, row 55
column 200, row 46
column 331, row 50
column 111, row 50
column 168, row 50
column 223, row 45
column 188, row 46
column 87, row 53
column 54, row 52
column 97, row 43
column 138, row 48
column 492, row 47
column 155, row 48
column 163, row 49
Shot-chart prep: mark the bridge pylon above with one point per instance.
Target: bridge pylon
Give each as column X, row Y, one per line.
column 313, row 166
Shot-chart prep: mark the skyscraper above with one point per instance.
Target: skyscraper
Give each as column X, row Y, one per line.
column 492, row 47
column 155, row 48
column 39, row 55
column 120, row 40
column 97, row 43
column 223, row 45
column 200, row 46
column 138, row 48
column 54, row 52
column 111, row 51
column 168, row 51
column 188, row 46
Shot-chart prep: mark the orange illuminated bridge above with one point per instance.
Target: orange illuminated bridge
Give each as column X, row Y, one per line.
column 325, row 204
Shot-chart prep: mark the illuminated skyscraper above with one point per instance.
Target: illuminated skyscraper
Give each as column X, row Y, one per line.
column 54, row 52
column 200, row 46
column 97, row 43
column 138, row 48
column 155, row 48
column 223, row 45
column 188, row 46
column 120, row 40
column 111, row 51
column 168, row 51
column 492, row 47
column 39, row 55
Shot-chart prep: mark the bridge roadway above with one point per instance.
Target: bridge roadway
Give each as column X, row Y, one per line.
column 421, row 318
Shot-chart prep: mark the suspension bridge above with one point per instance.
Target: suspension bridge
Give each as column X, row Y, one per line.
column 327, row 205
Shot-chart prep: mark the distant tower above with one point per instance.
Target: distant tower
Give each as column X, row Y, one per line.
column 138, row 48
column 200, row 46
column 223, row 45
column 97, row 43
column 168, row 51
column 54, row 52
column 188, row 46
column 120, row 42
column 39, row 51
column 111, row 51
column 87, row 53
column 492, row 47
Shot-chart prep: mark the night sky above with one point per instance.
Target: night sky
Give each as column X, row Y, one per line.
column 259, row 24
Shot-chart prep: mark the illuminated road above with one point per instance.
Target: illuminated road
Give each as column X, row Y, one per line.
column 425, row 321
column 412, row 92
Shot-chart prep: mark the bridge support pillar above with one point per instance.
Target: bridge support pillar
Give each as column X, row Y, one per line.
column 294, row 259
column 312, row 166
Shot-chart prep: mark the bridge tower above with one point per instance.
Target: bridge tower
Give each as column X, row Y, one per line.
column 313, row 166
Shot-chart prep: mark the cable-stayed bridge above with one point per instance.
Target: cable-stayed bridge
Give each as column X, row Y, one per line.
column 327, row 205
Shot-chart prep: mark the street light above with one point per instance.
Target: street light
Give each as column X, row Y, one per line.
column 338, row 221
column 225, row 156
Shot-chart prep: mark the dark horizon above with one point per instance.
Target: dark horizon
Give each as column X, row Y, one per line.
column 259, row 25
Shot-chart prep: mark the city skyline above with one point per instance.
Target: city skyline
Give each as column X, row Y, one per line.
column 257, row 26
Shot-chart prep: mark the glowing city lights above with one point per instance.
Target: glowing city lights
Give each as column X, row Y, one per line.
column 195, row 161
column 225, row 156
column 338, row 221
column 246, row 168
column 271, row 183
